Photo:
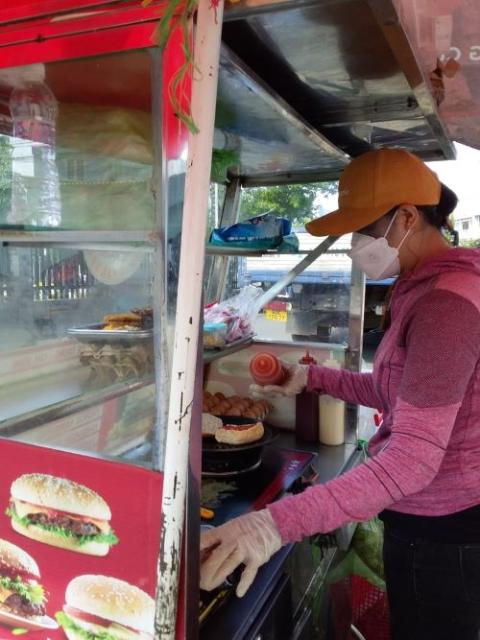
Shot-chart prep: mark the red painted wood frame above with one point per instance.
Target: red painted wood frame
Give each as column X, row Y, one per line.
column 63, row 29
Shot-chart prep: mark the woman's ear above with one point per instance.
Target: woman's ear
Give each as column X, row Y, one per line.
column 408, row 216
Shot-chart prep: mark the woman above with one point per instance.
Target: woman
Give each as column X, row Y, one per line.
column 423, row 474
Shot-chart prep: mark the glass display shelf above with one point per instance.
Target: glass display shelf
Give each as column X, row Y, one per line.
column 35, row 402
column 209, row 355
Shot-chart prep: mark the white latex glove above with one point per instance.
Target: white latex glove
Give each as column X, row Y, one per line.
column 250, row 540
column 295, row 383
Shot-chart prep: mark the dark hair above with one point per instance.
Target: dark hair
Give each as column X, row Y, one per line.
column 437, row 215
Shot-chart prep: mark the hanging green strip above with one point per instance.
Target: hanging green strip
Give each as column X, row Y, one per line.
column 178, row 14
column 222, row 161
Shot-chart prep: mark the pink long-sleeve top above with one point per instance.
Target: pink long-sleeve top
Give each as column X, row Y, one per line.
column 425, row 458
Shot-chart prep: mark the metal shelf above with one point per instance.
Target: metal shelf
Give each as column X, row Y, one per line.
column 211, row 355
column 69, row 392
column 107, row 240
column 217, row 250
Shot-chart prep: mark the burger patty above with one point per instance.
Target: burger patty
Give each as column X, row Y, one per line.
column 22, row 607
column 77, row 527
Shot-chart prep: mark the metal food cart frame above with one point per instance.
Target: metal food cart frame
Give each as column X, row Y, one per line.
column 68, row 29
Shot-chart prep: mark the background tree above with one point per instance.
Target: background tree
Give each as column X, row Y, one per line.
column 293, row 201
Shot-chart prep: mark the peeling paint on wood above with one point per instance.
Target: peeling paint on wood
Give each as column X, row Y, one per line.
column 175, row 487
column 204, row 89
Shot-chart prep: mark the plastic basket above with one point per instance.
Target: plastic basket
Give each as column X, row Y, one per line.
column 370, row 613
column 356, row 601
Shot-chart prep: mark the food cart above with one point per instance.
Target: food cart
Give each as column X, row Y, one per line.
column 103, row 207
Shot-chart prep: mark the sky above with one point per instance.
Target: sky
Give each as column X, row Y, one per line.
column 463, row 176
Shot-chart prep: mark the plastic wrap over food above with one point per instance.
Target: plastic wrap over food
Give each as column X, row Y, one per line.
column 236, row 313
column 76, row 166
column 446, row 36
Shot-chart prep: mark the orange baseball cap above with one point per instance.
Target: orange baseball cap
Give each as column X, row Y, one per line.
column 374, row 183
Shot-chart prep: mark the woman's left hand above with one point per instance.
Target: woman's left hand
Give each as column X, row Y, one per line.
column 250, row 540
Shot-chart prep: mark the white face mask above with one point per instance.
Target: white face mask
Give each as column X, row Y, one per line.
column 374, row 256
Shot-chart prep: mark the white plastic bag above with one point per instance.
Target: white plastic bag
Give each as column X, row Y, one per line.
column 237, row 313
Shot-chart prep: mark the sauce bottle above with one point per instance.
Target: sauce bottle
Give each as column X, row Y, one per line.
column 332, row 414
column 306, row 410
column 266, row 369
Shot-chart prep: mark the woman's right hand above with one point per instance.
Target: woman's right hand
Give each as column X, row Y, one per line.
column 297, row 379
column 249, row 540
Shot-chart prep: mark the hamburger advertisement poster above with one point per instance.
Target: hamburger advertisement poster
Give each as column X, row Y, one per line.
column 79, row 539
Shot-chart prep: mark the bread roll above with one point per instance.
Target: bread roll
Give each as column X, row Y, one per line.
column 210, row 425
column 239, row 434
column 234, row 411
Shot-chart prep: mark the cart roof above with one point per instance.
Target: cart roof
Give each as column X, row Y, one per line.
column 304, row 85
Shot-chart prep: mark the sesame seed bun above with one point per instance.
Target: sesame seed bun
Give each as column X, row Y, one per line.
column 60, row 494
column 16, row 559
column 112, row 599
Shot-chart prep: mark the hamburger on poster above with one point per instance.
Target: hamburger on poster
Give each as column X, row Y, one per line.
column 101, row 607
column 61, row 513
column 21, row 594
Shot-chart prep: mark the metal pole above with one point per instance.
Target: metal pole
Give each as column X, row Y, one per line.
column 160, row 284
column 197, row 182
column 353, row 356
column 219, row 264
column 289, row 277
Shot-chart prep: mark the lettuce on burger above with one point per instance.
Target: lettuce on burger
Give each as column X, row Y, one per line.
column 105, row 608
column 20, row 591
column 61, row 513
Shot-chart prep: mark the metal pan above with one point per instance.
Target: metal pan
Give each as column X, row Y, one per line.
column 96, row 333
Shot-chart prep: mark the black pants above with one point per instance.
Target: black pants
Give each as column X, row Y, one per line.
column 433, row 589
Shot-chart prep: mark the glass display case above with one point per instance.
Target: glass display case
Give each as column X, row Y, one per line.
column 88, row 263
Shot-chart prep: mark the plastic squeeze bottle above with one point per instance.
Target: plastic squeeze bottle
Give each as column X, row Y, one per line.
column 306, row 410
column 332, row 414
column 266, row 369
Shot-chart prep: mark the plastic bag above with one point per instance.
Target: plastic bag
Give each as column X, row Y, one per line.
column 261, row 232
column 237, row 313
column 368, row 544
column 365, row 556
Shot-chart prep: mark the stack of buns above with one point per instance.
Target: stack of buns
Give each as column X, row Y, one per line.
column 218, row 404
column 133, row 320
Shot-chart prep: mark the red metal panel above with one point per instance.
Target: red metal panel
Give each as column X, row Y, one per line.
column 106, row 27
column 31, row 9
column 81, row 45
column 60, row 26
